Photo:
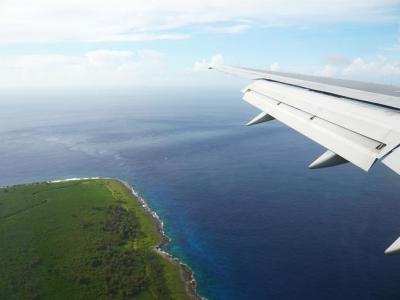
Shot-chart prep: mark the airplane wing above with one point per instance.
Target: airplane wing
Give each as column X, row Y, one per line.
column 356, row 122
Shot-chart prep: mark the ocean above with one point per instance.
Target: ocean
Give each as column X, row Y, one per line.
column 241, row 206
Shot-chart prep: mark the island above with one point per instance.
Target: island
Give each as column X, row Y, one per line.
column 85, row 239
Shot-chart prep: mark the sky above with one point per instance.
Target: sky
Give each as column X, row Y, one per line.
column 147, row 43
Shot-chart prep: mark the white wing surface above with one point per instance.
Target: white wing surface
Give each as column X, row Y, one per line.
column 356, row 122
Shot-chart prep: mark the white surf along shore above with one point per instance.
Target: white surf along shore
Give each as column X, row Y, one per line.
column 186, row 272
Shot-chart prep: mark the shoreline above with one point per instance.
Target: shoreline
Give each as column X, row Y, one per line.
column 187, row 273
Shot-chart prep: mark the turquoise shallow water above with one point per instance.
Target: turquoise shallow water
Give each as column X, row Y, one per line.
column 240, row 204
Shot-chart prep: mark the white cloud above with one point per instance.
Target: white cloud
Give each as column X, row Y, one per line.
column 328, row 71
column 139, row 37
column 337, row 60
column 204, row 64
column 274, row 67
column 108, row 57
column 239, row 28
column 105, row 68
column 378, row 69
column 127, row 20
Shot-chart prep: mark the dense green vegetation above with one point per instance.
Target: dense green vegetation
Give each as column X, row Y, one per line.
column 86, row 239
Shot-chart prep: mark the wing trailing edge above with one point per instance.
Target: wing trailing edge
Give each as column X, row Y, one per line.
column 360, row 150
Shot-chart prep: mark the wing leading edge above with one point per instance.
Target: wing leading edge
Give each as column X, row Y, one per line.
column 356, row 122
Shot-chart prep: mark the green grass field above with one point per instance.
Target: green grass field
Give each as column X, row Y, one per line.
column 86, row 239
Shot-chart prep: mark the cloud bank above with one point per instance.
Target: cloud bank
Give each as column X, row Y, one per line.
column 99, row 68
column 368, row 69
column 41, row 21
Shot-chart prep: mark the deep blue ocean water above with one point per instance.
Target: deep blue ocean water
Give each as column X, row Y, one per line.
column 238, row 202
